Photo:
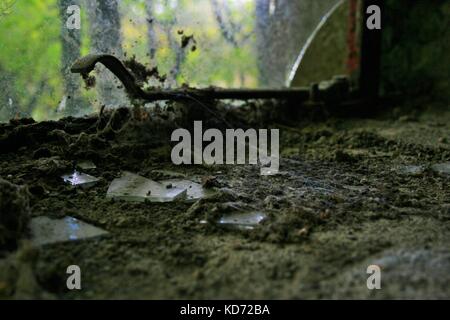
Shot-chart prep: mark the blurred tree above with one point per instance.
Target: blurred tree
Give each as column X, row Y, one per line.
column 162, row 25
column 9, row 101
column 230, row 30
column 169, row 24
column 35, row 52
column 105, row 35
column 263, row 22
column 71, row 44
column 151, row 32
column 30, row 54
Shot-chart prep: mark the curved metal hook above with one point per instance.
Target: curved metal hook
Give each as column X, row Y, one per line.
column 86, row 64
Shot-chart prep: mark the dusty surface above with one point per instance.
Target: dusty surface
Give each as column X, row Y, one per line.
column 14, row 213
column 345, row 199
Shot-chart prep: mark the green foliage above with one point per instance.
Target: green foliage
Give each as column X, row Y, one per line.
column 30, row 49
column 6, row 7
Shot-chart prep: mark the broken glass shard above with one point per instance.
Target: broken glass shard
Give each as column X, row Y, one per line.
column 86, row 165
column 46, row 231
column 441, row 168
column 411, row 170
column 80, row 179
column 269, row 171
column 132, row 187
column 246, row 221
column 240, row 221
column 194, row 190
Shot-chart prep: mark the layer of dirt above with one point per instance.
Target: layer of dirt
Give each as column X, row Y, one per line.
column 341, row 203
column 143, row 73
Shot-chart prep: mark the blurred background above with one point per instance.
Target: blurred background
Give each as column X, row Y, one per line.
column 236, row 43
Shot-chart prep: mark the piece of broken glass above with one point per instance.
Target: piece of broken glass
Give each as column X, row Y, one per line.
column 411, row 170
column 268, row 171
column 80, row 179
column 46, row 231
column 195, row 191
column 240, row 221
column 132, row 187
column 86, row 165
column 442, row 168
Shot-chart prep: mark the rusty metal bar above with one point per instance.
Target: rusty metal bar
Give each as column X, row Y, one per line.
column 86, row 64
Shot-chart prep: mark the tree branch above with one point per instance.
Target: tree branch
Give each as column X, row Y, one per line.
column 226, row 33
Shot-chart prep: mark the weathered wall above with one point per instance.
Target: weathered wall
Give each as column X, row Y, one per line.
column 415, row 52
column 416, row 48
